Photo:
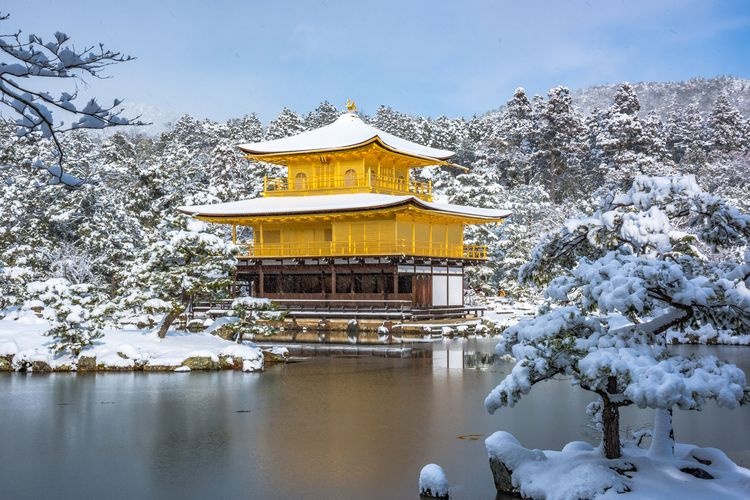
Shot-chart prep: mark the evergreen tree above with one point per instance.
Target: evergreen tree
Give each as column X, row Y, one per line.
column 183, row 263
column 288, row 123
column 245, row 129
column 620, row 279
column 325, row 114
column 683, row 133
column 558, row 141
column 626, row 145
column 725, row 131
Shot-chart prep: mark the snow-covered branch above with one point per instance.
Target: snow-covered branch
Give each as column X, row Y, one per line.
column 25, row 63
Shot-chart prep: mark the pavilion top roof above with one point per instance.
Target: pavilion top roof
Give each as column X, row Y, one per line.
column 347, row 132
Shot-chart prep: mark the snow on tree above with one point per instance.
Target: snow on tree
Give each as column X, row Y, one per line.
column 725, row 130
column 288, row 123
column 533, row 215
column 245, row 129
column 26, row 67
column 185, row 262
column 76, row 312
column 617, row 281
column 13, row 281
column 399, row 124
column 514, row 135
column 325, row 114
column 479, row 189
column 684, row 131
column 559, row 145
column 626, row 145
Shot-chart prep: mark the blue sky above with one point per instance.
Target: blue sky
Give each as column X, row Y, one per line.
column 222, row 59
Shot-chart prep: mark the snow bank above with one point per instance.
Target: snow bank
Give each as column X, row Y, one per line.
column 581, row 471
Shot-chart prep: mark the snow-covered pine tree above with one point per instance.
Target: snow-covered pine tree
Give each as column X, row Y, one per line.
column 513, row 138
column 683, row 133
column 393, row 122
column 478, row 188
column 559, row 143
column 626, row 146
column 76, row 312
column 184, row 263
column 619, row 279
column 245, row 129
column 325, row 114
column 288, row 123
column 725, row 130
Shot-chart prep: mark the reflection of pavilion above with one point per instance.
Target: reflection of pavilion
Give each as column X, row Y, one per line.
column 349, row 230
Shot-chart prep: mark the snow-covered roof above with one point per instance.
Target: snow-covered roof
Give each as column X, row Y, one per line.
column 284, row 205
column 346, row 132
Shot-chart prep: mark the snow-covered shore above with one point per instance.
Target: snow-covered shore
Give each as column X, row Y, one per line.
column 581, row 471
column 24, row 347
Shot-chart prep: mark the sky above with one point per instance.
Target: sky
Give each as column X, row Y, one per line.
column 221, row 59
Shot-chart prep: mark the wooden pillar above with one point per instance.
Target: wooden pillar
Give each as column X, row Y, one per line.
column 261, row 279
column 333, row 278
column 395, row 280
column 234, row 234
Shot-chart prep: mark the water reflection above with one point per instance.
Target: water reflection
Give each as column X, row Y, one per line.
column 322, row 428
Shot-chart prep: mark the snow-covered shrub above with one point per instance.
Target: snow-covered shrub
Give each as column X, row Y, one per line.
column 13, row 280
column 618, row 280
column 76, row 312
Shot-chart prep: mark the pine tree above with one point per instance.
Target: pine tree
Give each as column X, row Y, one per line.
column 619, row 279
column 245, row 129
column 288, row 123
column 683, row 133
column 558, row 141
column 325, row 114
column 725, row 130
column 185, row 262
column 76, row 312
column 626, row 145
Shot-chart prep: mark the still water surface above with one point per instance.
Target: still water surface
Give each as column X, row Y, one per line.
column 323, row 428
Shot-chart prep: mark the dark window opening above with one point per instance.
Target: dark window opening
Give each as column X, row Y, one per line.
column 271, row 283
column 343, row 283
column 404, row 284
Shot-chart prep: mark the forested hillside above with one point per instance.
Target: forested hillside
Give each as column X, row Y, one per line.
column 543, row 157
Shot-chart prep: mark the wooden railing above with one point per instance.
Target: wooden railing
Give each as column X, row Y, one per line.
column 362, row 249
column 282, row 186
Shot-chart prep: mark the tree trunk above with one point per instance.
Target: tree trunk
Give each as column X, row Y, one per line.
column 662, row 439
column 167, row 322
column 611, row 422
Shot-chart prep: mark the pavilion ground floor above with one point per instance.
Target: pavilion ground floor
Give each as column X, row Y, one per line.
column 394, row 288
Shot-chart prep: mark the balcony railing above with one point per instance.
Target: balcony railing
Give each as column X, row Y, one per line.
column 280, row 186
column 362, row 249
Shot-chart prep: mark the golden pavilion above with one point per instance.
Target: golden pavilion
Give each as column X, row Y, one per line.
column 349, row 232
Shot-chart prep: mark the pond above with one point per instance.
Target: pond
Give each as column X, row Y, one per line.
column 327, row 427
